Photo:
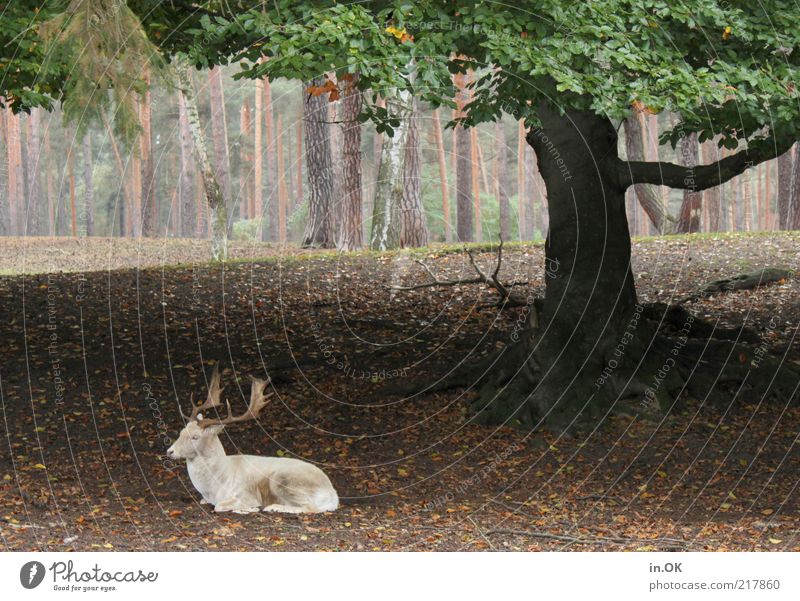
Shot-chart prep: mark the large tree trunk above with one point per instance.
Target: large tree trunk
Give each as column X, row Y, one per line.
column 389, row 188
column 413, row 231
column 88, row 192
column 351, row 222
column 187, row 201
column 501, row 179
column 710, row 153
column 785, row 162
column 319, row 226
column 689, row 219
column 213, row 192
column 647, row 196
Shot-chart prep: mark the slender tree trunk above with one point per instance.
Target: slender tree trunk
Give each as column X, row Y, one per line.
column 785, row 162
column 88, row 181
column 464, row 183
column 475, row 181
column 245, row 161
column 271, row 231
column 298, row 160
column 213, row 192
column 413, row 231
column 437, row 132
column 5, row 208
column 16, row 183
column 149, row 218
column 768, row 225
column 187, row 200
column 73, row 209
column 689, row 219
column 283, row 194
column 319, row 227
column 258, row 148
column 501, row 177
column 350, row 233
column 33, row 149
column 219, row 133
column 389, row 189
column 522, row 216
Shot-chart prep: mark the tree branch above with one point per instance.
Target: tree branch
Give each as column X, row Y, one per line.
column 700, row 177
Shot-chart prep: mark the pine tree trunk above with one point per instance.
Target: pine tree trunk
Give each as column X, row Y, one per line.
column 87, row 213
column 476, row 187
column 464, row 194
column 219, row 133
column 245, row 162
column 298, row 160
column 319, row 227
column 258, row 148
column 389, row 189
column 213, row 192
column 351, row 223
column 689, row 219
column 271, row 231
column 794, row 221
column 785, row 162
column 413, row 231
column 5, row 180
column 522, row 216
column 16, row 182
column 186, row 183
column 437, row 132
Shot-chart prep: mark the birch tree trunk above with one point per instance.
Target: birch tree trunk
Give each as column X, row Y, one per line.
column 219, row 133
column 413, row 231
column 351, row 224
column 319, row 227
column 389, row 188
column 213, row 192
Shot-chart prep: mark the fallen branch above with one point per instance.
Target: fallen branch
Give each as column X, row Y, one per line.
column 507, row 297
column 744, row 281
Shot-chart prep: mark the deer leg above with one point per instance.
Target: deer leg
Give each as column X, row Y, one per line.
column 234, row 505
column 277, row 507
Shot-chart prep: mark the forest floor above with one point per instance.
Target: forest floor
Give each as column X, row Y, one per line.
column 83, row 467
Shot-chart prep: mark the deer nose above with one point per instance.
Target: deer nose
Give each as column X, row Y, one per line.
column 171, row 453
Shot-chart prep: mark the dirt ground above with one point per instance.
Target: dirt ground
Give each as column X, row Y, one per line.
column 99, row 350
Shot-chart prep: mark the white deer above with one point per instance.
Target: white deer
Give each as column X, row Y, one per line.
column 247, row 483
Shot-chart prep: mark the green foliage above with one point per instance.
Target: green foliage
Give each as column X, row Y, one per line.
column 245, row 229
column 108, row 59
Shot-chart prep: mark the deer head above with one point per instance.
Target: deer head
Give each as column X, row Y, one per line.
column 199, row 436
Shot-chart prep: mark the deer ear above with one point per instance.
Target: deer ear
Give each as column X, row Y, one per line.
column 214, row 430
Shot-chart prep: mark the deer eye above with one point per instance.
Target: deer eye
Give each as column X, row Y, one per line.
column 195, row 437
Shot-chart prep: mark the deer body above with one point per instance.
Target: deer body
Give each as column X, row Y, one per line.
column 247, row 483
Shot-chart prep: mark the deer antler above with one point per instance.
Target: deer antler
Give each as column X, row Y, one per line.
column 211, row 401
column 258, row 400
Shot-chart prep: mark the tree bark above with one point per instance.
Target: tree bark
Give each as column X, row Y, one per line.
column 522, row 213
column 283, row 194
column 712, row 196
column 186, row 183
column 646, row 196
column 794, row 213
column 270, row 232
column 219, row 133
column 476, row 187
column 501, row 177
column 389, row 188
column 213, row 192
column 464, row 195
column 258, row 148
column 5, row 208
column 351, row 223
column 87, row 213
column 149, row 218
column 785, row 162
column 413, row 231
column 245, row 162
column 437, row 133
column 319, row 226
column 34, row 162
column 689, row 219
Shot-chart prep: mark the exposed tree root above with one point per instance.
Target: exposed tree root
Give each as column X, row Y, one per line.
column 744, row 281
